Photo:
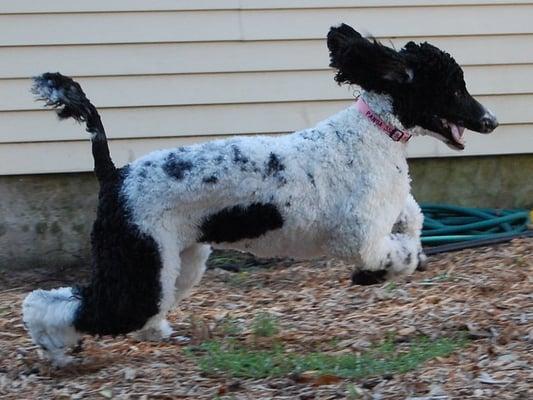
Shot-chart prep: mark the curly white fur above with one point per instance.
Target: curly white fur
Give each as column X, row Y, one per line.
column 360, row 188
column 49, row 316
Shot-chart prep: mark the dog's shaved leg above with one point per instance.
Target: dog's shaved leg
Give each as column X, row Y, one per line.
column 193, row 266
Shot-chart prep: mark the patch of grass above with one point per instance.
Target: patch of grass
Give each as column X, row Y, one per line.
column 221, row 260
column 240, row 361
column 264, row 325
column 230, row 327
column 238, row 279
column 334, row 342
column 353, row 393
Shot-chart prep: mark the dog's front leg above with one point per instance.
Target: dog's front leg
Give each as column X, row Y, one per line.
column 410, row 223
column 368, row 242
column 410, row 219
column 393, row 255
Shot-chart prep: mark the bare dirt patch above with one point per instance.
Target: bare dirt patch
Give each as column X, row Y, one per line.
column 484, row 294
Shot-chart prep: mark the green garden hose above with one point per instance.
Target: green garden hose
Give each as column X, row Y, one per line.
column 451, row 224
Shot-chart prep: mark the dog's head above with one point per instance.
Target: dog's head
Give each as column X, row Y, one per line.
column 426, row 85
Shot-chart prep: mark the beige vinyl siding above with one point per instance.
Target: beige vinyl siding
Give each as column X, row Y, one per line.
column 222, row 25
column 66, row 6
column 168, row 73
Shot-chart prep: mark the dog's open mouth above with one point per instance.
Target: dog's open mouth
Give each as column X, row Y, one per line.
column 455, row 139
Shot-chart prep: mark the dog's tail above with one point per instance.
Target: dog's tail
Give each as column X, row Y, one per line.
column 66, row 95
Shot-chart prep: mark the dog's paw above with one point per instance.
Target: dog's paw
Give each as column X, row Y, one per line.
column 422, row 261
column 365, row 278
column 154, row 333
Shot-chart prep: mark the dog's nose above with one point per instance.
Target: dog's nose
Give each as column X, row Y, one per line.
column 488, row 124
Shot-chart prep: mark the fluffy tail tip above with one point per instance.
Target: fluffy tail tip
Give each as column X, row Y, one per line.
column 49, row 315
column 61, row 92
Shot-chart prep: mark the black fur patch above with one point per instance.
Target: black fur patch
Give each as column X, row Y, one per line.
column 408, row 259
column 176, row 167
column 365, row 278
column 124, row 291
column 210, row 179
column 240, row 222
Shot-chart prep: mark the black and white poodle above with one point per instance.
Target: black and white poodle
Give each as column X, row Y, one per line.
column 340, row 189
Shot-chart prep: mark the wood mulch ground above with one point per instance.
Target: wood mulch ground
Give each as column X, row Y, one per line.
column 485, row 291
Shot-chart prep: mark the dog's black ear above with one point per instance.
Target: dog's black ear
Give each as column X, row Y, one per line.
column 365, row 62
column 340, row 37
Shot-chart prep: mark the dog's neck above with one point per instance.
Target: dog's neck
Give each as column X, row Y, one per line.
column 381, row 105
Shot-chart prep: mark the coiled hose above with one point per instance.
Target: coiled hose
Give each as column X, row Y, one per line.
column 445, row 224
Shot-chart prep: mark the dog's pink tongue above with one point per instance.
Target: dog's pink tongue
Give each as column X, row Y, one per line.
column 457, row 133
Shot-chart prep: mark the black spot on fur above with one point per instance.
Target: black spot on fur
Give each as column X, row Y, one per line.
column 147, row 163
column 422, row 262
column 363, row 277
column 176, row 167
column 240, row 222
column 311, row 179
column 274, row 165
column 340, row 136
column 238, row 157
column 398, row 169
column 400, row 226
column 310, row 135
column 210, row 179
column 388, row 262
column 255, row 168
column 288, row 204
column 124, row 291
column 408, row 259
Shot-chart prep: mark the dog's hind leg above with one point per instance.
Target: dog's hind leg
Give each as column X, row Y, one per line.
column 193, row 265
column 157, row 327
column 177, row 280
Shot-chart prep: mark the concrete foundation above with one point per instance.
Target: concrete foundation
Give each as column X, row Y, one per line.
column 45, row 220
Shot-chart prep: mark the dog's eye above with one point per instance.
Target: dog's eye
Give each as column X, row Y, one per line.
column 457, row 93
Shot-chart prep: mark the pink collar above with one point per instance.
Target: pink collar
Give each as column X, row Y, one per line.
column 395, row 134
